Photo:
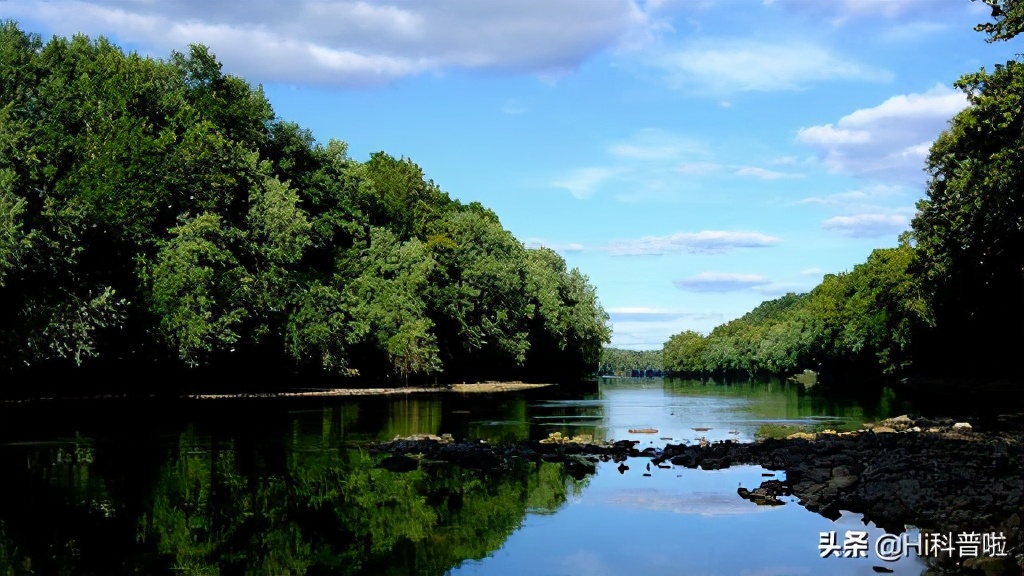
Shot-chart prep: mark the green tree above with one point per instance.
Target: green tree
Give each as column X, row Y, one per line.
column 684, row 352
column 1009, row 20
column 969, row 231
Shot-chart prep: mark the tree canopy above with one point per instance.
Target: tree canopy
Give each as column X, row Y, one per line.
column 157, row 213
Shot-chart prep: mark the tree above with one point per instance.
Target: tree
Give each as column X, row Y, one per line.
column 684, row 352
column 969, row 231
column 1009, row 20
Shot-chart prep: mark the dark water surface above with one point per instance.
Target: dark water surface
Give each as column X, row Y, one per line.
column 282, row 486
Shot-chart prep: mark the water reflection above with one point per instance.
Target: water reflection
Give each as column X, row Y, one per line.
column 270, row 487
column 675, row 410
column 215, row 507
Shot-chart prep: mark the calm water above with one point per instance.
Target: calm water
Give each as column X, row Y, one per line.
column 264, row 486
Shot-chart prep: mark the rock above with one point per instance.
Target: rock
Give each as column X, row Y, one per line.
column 962, row 427
column 883, row 430
column 899, row 423
column 842, row 478
column 992, row 565
column 579, row 467
column 399, row 463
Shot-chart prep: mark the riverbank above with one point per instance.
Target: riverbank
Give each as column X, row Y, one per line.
column 473, row 388
column 489, row 387
column 945, row 477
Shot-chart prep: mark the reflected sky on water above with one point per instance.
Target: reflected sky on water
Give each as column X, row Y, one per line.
column 264, row 486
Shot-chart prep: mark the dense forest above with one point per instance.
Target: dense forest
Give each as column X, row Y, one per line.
column 630, row 363
column 948, row 300
column 157, row 215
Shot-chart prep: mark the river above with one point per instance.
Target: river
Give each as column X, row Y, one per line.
column 284, row 486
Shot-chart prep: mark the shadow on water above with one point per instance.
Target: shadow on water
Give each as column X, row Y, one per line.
column 229, row 500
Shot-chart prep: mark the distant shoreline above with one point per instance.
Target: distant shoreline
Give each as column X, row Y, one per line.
column 464, row 388
column 476, row 387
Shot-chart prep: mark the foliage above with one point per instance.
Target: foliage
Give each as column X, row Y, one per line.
column 684, row 352
column 158, row 211
column 622, row 362
column 865, row 320
column 1009, row 20
column 969, row 231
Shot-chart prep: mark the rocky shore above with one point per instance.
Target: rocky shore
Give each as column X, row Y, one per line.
column 938, row 475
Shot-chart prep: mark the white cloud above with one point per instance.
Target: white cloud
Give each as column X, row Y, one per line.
column 534, row 243
column 582, row 182
column 720, row 282
column 726, row 66
column 913, row 31
column 776, row 289
column 867, row 225
column 764, row 174
column 859, row 198
column 887, row 142
column 839, row 12
column 654, row 144
column 647, row 314
column 828, row 135
column 356, row 43
column 812, row 272
column 643, row 166
column 704, row 242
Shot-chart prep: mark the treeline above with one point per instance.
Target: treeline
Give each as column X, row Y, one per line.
column 864, row 320
column 157, row 215
column 622, row 362
column 946, row 302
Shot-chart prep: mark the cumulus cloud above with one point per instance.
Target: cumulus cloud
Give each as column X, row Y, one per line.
column 726, row 66
column 888, row 142
column 720, row 282
column 867, row 225
column 704, row 242
column 354, row 42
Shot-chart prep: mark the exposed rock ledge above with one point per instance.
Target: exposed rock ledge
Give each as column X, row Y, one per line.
column 953, row 479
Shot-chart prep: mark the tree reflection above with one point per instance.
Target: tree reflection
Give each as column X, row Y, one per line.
column 334, row 511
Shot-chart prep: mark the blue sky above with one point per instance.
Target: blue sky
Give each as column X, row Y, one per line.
column 693, row 158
